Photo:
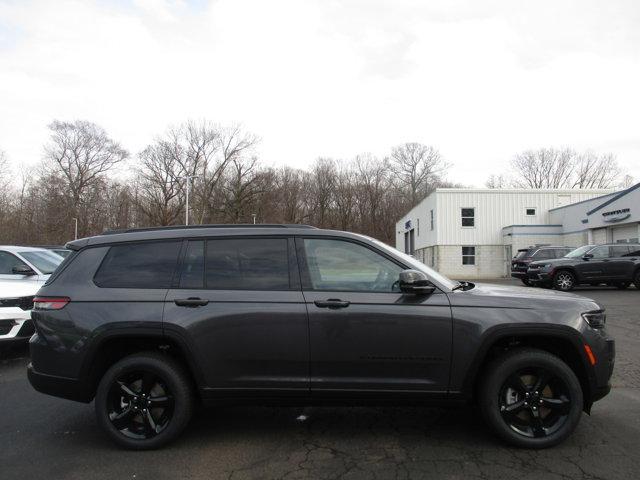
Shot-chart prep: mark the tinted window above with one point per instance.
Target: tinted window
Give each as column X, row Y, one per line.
column 45, row 261
column 8, row 261
column 346, row 266
column 542, row 255
column 192, row 271
column 247, row 264
column 140, row 265
column 635, row 251
column 619, row 251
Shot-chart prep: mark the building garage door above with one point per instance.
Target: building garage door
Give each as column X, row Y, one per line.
column 625, row 233
column 600, row 235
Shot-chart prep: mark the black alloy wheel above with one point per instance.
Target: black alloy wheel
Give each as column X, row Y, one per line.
column 636, row 279
column 140, row 404
column 144, row 400
column 534, row 402
column 530, row 398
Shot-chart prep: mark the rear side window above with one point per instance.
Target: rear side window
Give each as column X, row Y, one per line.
column 247, row 264
column 139, row 265
column 619, row 251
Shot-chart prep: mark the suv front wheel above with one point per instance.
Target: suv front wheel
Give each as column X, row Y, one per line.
column 564, row 281
column 531, row 398
column 144, row 401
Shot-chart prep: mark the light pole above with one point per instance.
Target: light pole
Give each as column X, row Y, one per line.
column 254, row 217
column 76, row 228
column 188, row 179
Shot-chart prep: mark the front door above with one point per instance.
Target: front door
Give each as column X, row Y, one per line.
column 366, row 336
column 593, row 269
column 239, row 305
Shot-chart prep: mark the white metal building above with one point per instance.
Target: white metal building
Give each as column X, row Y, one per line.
column 473, row 233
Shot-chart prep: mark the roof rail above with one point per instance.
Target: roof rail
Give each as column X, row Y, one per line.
column 219, row 225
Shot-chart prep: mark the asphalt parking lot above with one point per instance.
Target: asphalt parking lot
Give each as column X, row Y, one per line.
column 45, row 437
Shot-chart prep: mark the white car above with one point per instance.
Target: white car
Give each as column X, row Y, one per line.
column 27, row 263
column 16, row 301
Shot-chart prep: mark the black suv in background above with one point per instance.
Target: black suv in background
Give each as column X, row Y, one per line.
column 616, row 264
column 525, row 256
column 148, row 322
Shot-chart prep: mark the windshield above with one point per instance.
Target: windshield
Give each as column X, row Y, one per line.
column 44, row 261
column 418, row 265
column 579, row 252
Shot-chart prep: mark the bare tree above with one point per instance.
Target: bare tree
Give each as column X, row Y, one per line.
column 82, row 152
column 595, row 171
column 415, row 167
column 544, row 168
column 496, row 181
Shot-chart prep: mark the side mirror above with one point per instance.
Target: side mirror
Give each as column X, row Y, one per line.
column 22, row 270
column 415, row 282
column 587, row 256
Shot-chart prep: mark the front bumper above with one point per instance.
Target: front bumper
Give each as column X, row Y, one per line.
column 536, row 275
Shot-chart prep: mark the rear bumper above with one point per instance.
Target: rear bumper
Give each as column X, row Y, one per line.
column 20, row 331
column 63, row 387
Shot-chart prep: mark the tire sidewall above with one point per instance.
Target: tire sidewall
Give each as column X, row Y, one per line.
column 497, row 374
column 171, row 374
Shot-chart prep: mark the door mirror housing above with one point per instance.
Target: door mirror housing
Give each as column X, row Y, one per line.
column 587, row 256
column 23, row 270
column 415, row 282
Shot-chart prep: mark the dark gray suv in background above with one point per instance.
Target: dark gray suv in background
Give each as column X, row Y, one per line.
column 148, row 322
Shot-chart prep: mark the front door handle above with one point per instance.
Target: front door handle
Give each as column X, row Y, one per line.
column 191, row 302
column 332, row 303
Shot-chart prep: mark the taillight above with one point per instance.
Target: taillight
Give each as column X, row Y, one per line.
column 50, row 303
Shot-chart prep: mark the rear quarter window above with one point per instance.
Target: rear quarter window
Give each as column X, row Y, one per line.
column 139, row 265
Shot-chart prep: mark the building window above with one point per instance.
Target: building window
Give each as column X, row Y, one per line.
column 468, row 255
column 431, row 219
column 468, row 217
column 531, row 212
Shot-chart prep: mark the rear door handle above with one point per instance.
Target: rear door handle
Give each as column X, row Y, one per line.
column 332, row 303
column 191, row 302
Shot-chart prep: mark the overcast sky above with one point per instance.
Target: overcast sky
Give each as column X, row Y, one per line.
column 479, row 80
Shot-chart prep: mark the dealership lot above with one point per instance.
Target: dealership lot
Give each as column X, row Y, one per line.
column 43, row 436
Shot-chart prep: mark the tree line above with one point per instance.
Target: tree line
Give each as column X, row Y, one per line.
column 88, row 177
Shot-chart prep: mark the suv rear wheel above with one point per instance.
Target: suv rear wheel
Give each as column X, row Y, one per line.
column 564, row 280
column 636, row 279
column 144, row 401
column 531, row 398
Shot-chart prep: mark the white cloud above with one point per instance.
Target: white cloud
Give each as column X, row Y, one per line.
column 479, row 80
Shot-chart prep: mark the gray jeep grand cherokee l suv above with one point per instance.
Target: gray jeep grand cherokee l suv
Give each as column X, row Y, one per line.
column 147, row 322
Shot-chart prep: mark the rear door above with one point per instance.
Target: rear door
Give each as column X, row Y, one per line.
column 366, row 336
column 620, row 265
column 238, row 304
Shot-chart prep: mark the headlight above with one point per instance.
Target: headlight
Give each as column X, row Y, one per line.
column 546, row 265
column 595, row 319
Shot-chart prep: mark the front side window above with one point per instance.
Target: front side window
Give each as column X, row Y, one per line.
column 468, row 217
column 579, row 252
column 338, row 265
column 192, row 270
column 247, row 264
column 139, row 265
column 468, row 255
column 8, row 261
column 600, row 252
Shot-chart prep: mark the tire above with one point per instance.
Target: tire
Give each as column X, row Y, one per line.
column 564, row 281
column 622, row 285
column 636, row 279
column 509, row 421
column 128, row 392
column 526, row 281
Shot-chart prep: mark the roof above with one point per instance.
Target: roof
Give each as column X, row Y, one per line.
column 614, row 198
column 525, row 190
column 205, row 231
column 18, row 249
